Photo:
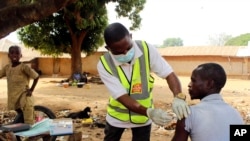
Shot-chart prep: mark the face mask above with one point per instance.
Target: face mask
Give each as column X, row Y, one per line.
column 127, row 57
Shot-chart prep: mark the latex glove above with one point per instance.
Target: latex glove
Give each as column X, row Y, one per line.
column 158, row 116
column 180, row 108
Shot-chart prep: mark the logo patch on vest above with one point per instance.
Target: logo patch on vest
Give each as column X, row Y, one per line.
column 136, row 88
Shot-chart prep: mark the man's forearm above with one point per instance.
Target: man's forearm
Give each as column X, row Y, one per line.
column 174, row 83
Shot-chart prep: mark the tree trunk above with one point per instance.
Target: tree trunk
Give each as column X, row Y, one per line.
column 77, row 37
column 76, row 58
column 14, row 15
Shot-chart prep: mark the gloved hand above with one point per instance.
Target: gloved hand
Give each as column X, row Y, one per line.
column 158, row 116
column 180, row 108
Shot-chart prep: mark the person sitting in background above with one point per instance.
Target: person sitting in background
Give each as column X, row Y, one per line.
column 210, row 119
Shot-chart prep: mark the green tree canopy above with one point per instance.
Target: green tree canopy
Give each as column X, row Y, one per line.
column 241, row 40
column 52, row 36
column 77, row 28
column 169, row 42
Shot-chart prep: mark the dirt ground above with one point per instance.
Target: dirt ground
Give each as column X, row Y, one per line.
column 48, row 93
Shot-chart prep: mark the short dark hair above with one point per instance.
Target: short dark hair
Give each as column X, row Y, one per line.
column 15, row 46
column 215, row 72
column 114, row 33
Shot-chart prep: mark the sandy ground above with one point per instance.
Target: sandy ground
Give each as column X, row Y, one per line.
column 48, row 93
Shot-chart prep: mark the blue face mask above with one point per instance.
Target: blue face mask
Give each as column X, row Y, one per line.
column 127, row 57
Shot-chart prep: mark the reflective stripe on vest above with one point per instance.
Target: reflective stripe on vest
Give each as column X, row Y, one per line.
column 135, row 88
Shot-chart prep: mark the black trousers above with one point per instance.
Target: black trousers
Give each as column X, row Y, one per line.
column 138, row 133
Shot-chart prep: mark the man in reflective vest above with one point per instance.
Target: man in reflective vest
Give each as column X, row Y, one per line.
column 125, row 71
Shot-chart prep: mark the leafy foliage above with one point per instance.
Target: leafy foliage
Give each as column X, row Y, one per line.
column 169, row 42
column 241, row 40
column 77, row 28
column 50, row 36
column 130, row 9
column 54, row 34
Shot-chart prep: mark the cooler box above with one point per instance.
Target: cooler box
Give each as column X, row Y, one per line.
column 62, row 126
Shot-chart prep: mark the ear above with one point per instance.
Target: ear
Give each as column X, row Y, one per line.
column 210, row 84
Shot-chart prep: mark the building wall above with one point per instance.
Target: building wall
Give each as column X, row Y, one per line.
column 57, row 66
column 62, row 66
column 89, row 63
column 4, row 60
column 235, row 67
column 46, row 65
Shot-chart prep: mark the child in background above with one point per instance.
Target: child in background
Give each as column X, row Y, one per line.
column 18, row 76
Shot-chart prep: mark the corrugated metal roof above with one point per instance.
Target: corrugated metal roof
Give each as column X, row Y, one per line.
column 242, row 51
column 201, row 51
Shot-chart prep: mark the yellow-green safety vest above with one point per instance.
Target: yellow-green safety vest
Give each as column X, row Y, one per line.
column 139, row 88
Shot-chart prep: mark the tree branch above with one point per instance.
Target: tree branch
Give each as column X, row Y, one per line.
column 14, row 16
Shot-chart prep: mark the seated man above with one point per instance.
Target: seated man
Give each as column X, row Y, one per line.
column 209, row 120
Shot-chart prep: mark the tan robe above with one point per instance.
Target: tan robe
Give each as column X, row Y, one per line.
column 18, row 83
